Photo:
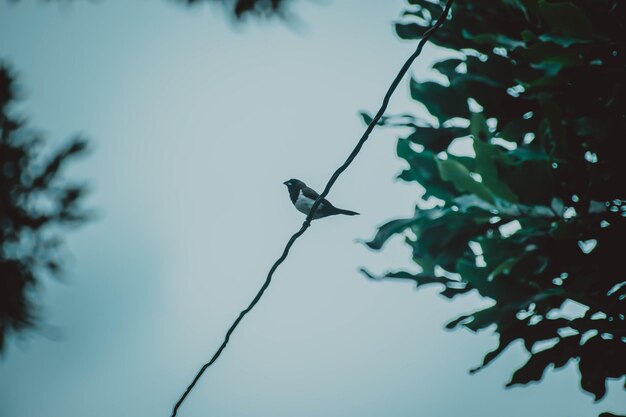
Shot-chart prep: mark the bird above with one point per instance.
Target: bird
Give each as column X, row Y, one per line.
column 303, row 198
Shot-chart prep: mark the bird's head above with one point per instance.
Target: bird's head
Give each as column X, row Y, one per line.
column 294, row 183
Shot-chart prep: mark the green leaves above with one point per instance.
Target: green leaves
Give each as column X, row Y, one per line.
column 386, row 231
column 565, row 18
column 556, row 143
column 558, row 356
column 441, row 102
column 450, row 290
column 423, row 169
column 487, row 158
column 515, row 212
column 460, row 176
column 436, row 139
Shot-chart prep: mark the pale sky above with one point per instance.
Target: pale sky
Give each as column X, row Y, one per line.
column 195, row 124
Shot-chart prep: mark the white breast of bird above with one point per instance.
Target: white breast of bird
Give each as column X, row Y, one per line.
column 304, row 204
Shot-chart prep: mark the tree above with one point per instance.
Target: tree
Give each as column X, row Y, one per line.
column 237, row 8
column 36, row 205
column 240, row 8
column 533, row 217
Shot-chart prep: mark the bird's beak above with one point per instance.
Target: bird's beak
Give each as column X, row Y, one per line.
column 286, row 182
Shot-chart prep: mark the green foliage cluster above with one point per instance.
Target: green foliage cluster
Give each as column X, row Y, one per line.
column 36, row 204
column 533, row 217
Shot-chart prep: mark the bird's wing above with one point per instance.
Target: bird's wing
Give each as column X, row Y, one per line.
column 313, row 195
column 309, row 193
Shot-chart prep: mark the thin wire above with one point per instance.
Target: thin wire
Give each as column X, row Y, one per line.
column 331, row 182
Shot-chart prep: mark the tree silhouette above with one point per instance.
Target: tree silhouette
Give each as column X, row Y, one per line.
column 36, row 205
column 237, row 8
column 240, row 8
column 533, row 217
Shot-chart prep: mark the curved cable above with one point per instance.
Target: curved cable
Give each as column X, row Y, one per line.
column 307, row 221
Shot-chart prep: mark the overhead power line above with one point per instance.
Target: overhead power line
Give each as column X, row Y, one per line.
column 307, row 221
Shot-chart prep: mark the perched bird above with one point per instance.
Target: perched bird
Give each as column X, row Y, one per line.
column 303, row 198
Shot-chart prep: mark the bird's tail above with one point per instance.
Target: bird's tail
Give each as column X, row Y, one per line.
column 347, row 212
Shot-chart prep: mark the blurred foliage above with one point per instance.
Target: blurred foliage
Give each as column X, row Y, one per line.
column 36, row 204
column 240, row 8
column 532, row 214
column 237, row 8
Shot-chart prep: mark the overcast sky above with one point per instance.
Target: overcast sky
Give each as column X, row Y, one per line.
column 194, row 125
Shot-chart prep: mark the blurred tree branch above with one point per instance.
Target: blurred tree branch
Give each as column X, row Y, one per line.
column 237, row 8
column 241, row 8
column 36, row 205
